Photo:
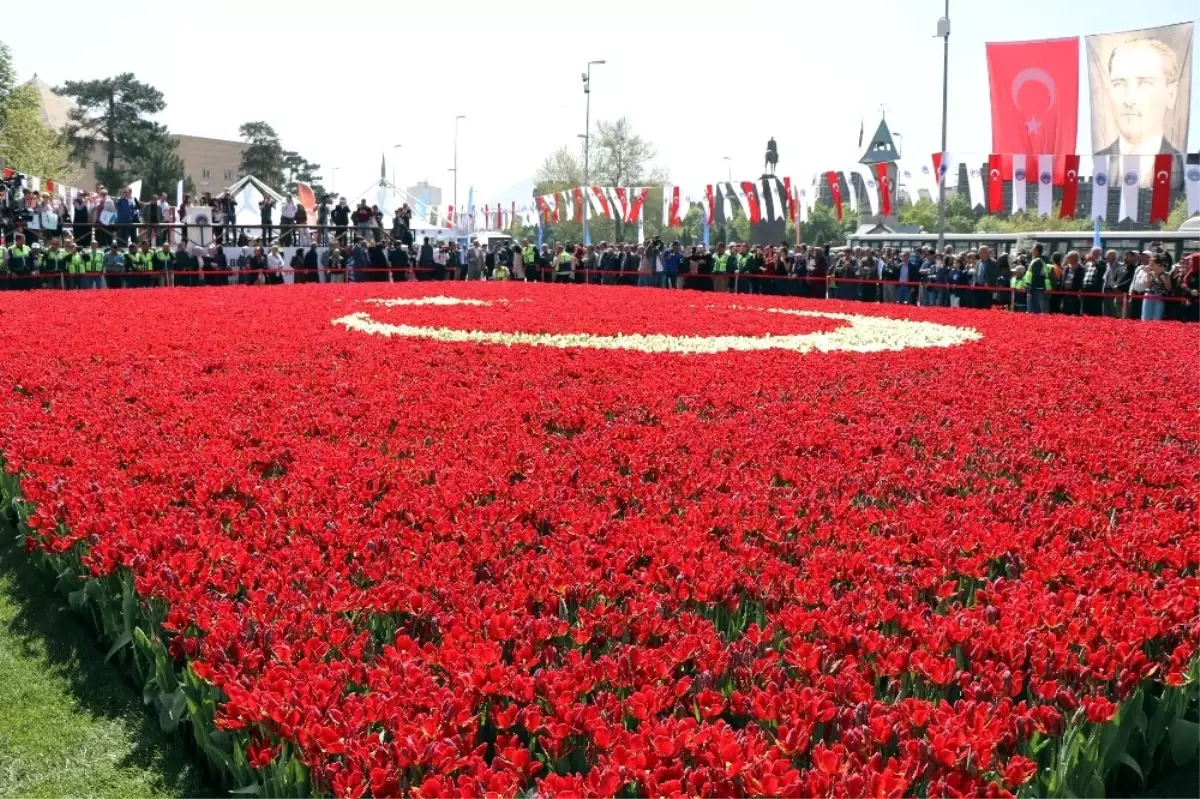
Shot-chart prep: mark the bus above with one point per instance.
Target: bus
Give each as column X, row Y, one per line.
column 1178, row 243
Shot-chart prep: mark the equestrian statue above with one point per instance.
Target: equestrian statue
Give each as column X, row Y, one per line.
column 772, row 157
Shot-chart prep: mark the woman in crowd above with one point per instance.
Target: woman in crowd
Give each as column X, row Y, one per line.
column 1158, row 286
column 275, row 266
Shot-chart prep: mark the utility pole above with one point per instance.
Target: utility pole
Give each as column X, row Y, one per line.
column 587, row 138
column 462, row 116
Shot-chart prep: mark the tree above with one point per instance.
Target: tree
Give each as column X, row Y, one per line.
column 1030, row 222
column 112, row 111
column 267, row 160
column 160, row 167
column 300, row 170
column 620, row 157
column 960, row 216
column 823, row 226
column 26, row 145
column 1178, row 216
column 264, row 158
column 8, row 75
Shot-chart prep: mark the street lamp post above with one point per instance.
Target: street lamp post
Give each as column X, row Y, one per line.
column 943, row 30
column 587, row 138
column 463, row 116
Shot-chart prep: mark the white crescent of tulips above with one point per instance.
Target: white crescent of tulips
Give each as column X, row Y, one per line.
column 862, row 334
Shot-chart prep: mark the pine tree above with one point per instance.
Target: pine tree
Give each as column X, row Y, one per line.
column 113, row 111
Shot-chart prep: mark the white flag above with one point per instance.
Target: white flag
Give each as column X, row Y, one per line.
column 666, row 217
column 926, row 180
column 975, row 186
column 1100, row 181
column 1191, row 183
column 802, row 203
column 851, row 194
column 135, row 189
column 566, row 205
column 1045, row 184
column 179, row 194
column 1131, row 175
column 872, row 188
column 1018, row 182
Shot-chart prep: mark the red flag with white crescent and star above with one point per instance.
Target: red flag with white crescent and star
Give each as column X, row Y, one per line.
column 1035, row 98
column 1070, row 192
column 885, row 189
column 1160, row 200
column 995, row 183
column 836, row 191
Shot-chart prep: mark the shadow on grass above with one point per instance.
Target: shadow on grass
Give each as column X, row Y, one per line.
column 64, row 645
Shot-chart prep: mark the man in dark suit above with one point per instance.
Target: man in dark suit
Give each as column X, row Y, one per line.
column 986, row 272
column 1143, row 86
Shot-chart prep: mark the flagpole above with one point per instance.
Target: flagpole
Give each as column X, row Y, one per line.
column 944, row 32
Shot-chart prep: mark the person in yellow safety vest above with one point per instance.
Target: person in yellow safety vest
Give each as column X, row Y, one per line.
column 93, row 266
column 54, row 265
column 18, row 262
column 143, row 262
column 526, row 265
column 163, row 258
column 720, row 267
column 75, row 265
column 564, row 266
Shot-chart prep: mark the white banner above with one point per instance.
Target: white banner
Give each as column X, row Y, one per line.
column 1018, row 182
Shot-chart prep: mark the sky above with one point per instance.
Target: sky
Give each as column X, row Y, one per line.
column 701, row 80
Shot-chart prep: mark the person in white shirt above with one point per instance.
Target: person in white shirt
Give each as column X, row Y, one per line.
column 287, row 219
column 275, row 266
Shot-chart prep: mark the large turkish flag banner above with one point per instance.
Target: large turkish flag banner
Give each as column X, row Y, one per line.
column 1035, row 98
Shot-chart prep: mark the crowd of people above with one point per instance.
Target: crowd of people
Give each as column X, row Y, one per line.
column 101, row 241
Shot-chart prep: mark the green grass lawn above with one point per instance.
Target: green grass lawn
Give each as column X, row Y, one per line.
column 71, row 724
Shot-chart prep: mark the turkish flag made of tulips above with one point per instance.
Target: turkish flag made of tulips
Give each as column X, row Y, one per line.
column 467, row 539
column 1035, row 98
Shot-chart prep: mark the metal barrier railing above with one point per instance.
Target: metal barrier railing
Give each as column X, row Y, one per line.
column 732, row 282
column 158, row 233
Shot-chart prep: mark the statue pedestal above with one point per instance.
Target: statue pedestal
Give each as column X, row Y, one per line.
column 770, row 233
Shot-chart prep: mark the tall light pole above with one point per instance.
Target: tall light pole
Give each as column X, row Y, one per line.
column 463, row 116
column 943, row 30
column 587, row 138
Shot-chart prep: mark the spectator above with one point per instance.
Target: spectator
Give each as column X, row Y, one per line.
column 341, row 220
column 275, row 265
column 323, row 221
column 266, row 210
column 1037, row 281
column 334, row 264
column 1137, row 286
column 1072, row 280
column 297, row 266
column 1092, row 282
column 364, row 219
column 1189, row 288
column 287, row 221
column 1158, row 286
